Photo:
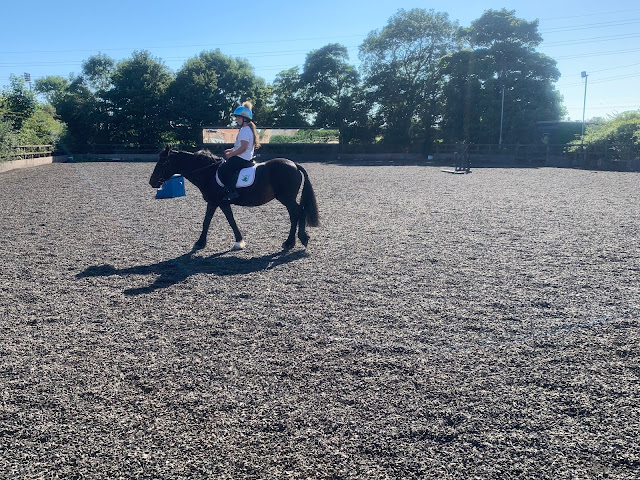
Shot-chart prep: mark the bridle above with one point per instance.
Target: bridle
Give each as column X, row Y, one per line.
column 163, row 176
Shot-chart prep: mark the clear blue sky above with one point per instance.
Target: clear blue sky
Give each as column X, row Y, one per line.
column 54, row 38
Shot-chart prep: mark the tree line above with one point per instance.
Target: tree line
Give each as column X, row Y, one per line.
column 422, row 79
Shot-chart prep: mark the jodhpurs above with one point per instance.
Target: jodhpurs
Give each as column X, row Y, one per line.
column 228, row 171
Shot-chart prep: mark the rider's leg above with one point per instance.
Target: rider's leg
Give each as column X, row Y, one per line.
column 232, row 171
column 230, row 185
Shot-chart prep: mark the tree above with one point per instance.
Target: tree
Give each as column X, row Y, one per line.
column 98, row 71
column 500, row 54
column 207, row 89
column 329, row 82
column 401, row 66
column 53, row 88
column 288, row 100
column 81, row 102
column 20, row 103
column 79, row 108
column 137, row 99
column 98, row 74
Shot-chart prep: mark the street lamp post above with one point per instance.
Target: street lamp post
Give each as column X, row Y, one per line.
column 584, row 106
column 501, row 118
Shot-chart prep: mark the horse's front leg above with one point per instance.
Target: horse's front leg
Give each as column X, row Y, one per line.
column 202, row 241
column 226, row 209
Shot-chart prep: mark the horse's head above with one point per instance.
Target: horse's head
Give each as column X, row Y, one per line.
column 164, row 168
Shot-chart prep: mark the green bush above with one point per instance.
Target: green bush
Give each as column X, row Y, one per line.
column 41, row 128
column 24, row 121
column 619, row 137
column 8, row 140
column 622, row 128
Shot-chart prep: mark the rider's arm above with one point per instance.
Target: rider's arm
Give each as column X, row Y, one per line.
column 242, row 148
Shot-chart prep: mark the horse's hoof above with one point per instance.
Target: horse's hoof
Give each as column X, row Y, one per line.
column 238, row 245
column 304, row 240
column 199, row 245
column 288, row 245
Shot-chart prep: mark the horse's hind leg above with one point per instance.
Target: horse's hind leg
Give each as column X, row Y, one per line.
column 294, row 213
column 302, row 228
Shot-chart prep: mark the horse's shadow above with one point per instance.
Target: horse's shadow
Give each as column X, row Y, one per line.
column 177, row 270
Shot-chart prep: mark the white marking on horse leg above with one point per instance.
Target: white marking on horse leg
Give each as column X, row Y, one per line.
column 239, row 245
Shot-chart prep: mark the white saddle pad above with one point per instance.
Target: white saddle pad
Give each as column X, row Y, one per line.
column 245, row 179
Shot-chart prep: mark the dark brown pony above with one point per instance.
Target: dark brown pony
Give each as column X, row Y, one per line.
column 278, row 178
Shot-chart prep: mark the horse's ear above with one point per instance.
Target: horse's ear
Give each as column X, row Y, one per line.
column 167, row 149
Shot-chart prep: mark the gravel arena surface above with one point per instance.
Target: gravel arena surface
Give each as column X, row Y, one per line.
column 482, row 326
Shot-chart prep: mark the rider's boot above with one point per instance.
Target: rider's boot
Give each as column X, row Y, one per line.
column 230, row 190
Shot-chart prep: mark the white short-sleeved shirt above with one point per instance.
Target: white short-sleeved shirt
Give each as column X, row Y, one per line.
column 245, row 134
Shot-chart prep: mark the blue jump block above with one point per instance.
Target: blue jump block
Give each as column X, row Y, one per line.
column 174, row 187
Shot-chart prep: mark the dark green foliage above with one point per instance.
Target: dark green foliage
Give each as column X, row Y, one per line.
column 422, row 79
column 98, row 71
column 288, row 100
column 207, row 89
column 499, row 54
column 401, row 71
column 80, row 109
column 329, row 84
column 137, row 100
column 8, row 139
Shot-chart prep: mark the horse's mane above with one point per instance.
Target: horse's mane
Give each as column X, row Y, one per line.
column 207, row 155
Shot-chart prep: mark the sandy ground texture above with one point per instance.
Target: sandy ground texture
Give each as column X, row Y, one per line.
column 438, row 326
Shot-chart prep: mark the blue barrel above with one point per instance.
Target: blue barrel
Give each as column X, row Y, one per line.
column 174, row 187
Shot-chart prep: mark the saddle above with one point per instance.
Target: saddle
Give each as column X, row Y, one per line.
column 245, row 179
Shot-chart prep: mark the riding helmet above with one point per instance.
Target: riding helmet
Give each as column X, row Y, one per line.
column 243, row 112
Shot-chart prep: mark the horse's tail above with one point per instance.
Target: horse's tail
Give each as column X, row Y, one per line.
column 308, row 201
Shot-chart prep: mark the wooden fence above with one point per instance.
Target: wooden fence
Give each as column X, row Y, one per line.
column 22, row 152
column 624, row 157
column 612, row 156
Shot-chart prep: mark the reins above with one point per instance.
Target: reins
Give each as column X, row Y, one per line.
column 202, row 168
column 213, row 164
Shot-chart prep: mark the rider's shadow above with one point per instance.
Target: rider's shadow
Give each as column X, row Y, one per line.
column 177, row 270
